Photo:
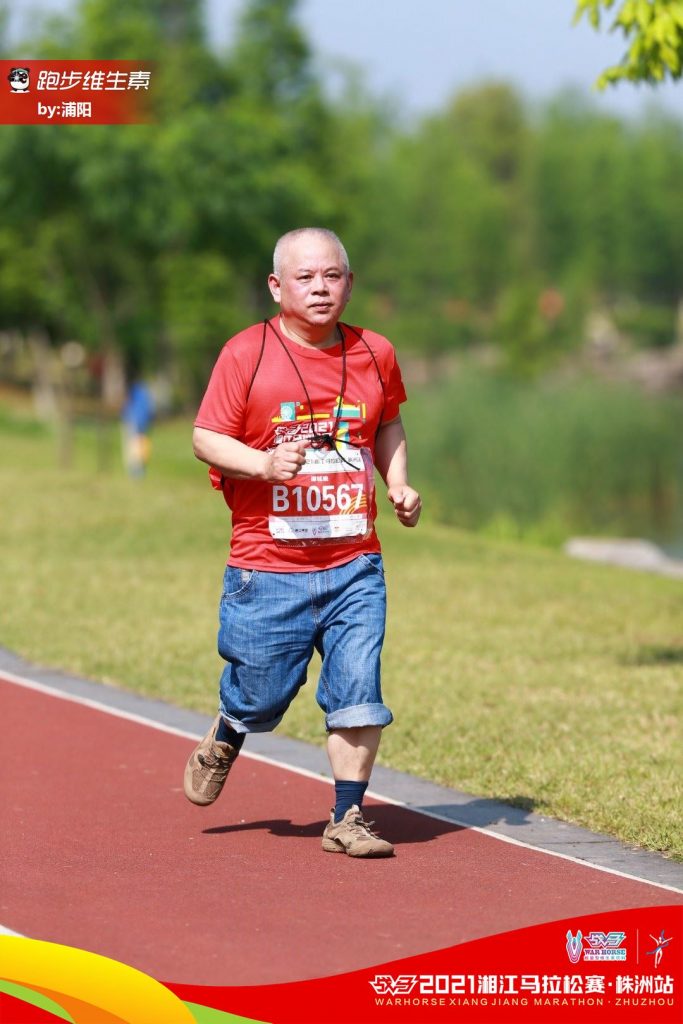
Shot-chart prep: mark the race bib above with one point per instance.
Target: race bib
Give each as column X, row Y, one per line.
column 329, row 501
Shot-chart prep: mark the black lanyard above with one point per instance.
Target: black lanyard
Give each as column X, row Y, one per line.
column 323, row 440
column 328, row 439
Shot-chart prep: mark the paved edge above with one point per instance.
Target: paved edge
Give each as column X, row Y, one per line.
column 509, row 823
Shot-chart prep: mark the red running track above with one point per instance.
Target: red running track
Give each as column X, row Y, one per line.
column 100, row 850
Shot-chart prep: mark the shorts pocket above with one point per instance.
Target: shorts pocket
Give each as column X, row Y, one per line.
column 374, row 561
column 237, row 582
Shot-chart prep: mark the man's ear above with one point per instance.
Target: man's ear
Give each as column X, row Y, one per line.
column 274, row 285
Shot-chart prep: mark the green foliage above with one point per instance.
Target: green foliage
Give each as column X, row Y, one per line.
column 488, row 224
column 607, row 206
column 272, row 59
column 496, row 454
column 233, row 160
column 653, row 30
column 442, row 241
column 483, row 222
column 535, row 325
column 650, row 326
column 204, row 307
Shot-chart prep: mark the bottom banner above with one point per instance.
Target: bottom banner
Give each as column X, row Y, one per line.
column 624, row 967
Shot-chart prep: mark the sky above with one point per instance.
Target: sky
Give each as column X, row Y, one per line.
column 420, row 52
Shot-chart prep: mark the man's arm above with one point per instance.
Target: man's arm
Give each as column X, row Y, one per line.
column 391, row 459
column 240, row 462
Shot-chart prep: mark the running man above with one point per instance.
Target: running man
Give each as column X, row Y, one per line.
column 298, row 412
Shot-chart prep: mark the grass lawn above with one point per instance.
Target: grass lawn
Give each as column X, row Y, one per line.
column 512, row 671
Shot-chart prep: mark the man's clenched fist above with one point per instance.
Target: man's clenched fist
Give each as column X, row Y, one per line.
column 407, row 504
column 285, row 461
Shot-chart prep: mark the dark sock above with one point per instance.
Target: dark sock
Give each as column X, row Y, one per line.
column 226, row 734
column 347, row 794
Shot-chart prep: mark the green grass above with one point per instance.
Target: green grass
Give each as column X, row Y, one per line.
column 512, row 671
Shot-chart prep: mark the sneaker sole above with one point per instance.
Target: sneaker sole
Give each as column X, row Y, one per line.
column 332, row 846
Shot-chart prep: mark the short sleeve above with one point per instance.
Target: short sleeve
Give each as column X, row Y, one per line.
column 395, row 391
column 223, row 405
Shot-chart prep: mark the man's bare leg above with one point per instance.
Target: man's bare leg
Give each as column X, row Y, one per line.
column 352, row 752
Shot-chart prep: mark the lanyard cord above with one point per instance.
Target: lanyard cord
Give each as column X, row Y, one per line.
column 326, row 440
column 379, row 375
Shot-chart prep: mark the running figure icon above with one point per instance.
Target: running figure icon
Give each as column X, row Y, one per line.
column 660, row 944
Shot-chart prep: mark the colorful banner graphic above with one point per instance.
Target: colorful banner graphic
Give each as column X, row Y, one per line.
column 75, row 91
column 88, row 988
column 621, row 967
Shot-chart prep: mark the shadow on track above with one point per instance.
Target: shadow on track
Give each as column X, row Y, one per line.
column 400, row 824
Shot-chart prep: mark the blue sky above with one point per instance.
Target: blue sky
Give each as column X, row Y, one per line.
column 420, row 52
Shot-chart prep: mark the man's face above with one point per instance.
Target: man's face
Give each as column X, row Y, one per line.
column 313, row 287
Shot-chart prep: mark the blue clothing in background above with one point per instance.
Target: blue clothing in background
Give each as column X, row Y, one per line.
column 138, row 412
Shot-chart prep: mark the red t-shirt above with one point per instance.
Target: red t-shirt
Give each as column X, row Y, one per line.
column 278, row 527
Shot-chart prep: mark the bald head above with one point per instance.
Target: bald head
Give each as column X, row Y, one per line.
column 312, row 283
column 292, row 238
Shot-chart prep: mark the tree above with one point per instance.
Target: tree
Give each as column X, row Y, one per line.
column 653, row 30
column 152, row 241
column 272, row 56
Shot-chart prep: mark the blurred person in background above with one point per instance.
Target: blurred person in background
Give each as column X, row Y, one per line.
column 137, row 417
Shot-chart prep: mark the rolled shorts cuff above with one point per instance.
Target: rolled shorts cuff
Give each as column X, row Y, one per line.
column 252, row 726
column 359, row 715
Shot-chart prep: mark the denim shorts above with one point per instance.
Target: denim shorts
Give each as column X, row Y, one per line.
column 270, row 625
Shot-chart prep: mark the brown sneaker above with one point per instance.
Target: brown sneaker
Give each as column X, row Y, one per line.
column 208, row 767
column 353, row 835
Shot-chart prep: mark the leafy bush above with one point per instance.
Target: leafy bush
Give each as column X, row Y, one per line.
column 496, row 454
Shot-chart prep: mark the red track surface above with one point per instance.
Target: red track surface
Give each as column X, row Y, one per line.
column 100, row 850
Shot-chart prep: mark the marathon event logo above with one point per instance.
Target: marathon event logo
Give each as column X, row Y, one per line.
column 385, row 985
column 532, row 990
column 599, row 946
column 75, row 91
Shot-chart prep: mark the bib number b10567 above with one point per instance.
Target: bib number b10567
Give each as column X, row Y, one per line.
column 329, row 500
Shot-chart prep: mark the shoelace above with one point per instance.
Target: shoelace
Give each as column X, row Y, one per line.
column 360, row 825
column 220, row 762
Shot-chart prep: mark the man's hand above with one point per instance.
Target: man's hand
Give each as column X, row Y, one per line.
column 285, row 461
column 407, row 504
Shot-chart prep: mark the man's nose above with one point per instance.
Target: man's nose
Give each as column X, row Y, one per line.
column 319, row 283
